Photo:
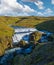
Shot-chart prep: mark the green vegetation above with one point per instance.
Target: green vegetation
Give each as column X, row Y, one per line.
column 41, row 23
column 41, row 55
column 22, row 43
column 6, row 33
column 46, row 25
column 8, row 20
column 35, row 37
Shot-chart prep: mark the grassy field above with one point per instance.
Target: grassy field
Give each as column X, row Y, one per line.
column 41, row 23
column 45, row 23
column 6, row 33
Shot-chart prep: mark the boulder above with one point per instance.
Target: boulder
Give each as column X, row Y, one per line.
column 22, row 43
column 34, row 37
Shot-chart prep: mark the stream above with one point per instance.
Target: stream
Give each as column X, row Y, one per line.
column 21, row 33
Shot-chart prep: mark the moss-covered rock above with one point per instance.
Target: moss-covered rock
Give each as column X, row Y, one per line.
column 22, row 43
column 34, row 37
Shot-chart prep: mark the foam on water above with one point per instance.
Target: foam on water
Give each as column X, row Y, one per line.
column 21, row 32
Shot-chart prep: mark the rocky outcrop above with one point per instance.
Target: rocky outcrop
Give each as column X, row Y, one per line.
column 34, row 37
column 23, row 44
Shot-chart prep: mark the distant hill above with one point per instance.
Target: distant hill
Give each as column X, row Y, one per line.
column 46, row 23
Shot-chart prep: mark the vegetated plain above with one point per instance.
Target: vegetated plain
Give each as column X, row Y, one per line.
column 41, row 23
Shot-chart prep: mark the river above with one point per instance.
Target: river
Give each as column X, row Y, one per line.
column 21, row 33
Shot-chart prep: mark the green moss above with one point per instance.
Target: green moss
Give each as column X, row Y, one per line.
column 35, row 37
column 42, row 54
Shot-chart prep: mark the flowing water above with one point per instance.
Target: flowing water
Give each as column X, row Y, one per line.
column 21, row 33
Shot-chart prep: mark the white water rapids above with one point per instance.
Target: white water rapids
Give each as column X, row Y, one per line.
column 21, row 32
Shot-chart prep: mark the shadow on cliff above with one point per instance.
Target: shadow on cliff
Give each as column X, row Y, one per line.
column 46, row 25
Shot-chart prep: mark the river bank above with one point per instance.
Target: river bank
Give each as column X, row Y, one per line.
column 21, row 33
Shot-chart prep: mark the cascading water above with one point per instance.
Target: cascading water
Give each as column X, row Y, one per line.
column 21, row 33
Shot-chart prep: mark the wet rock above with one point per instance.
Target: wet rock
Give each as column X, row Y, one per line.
column 34, row 37
column 23, row 44
column 50, row 38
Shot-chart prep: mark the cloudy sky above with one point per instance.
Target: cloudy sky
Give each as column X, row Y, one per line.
column 26, row 7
